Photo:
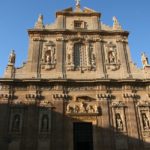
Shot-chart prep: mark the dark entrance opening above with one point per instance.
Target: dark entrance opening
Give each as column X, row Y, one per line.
column 83, row 136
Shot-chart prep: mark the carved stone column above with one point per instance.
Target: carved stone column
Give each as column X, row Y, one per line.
column 99, row 50
column 123, row 59
column 60, row 57
column 34, row 56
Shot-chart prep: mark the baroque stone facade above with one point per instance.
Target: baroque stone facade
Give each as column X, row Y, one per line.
column 79, row 89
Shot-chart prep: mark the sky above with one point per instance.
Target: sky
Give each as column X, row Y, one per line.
column 17, row 16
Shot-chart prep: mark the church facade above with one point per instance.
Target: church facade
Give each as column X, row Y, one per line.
column 78, row 90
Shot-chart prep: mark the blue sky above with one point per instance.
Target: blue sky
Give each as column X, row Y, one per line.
column 16, row 16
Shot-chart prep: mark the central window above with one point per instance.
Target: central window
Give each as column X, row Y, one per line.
column 79, row 56
column 78, row 24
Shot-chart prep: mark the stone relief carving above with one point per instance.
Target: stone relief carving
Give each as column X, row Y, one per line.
column 80, row 56
column 82, row 108
column 49, row 56
column 82, row 105
column 112, row 61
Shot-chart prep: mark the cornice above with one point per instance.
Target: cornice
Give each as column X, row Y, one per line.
column 122, row 81
column 65, row 13
column 66, row 31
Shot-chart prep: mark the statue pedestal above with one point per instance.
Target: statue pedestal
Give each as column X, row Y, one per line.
column 147, row 67
column 10, row 71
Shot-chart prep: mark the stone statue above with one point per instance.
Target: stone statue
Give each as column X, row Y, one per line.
column 112, row 56
column 144, row 59
column 16, row 123
column 116, row 25
column 12, row 57
column 40, row 19
column 119, row 123
column 45, row 123
column 48, row 58
column 39, row 23
column 115, row 21
column 77, row 2
column 145, row 121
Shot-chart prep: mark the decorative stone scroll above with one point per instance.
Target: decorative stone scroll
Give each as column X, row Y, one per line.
column 129, row 95
column 49, row 56
column 22, row 102
column 112, row 61
column 104, row 96
column 119, row 121
column 61, row 96
column 34, row 95
column 45, row 103
column 5, row 96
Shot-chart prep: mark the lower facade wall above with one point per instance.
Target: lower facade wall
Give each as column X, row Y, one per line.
column 118, row 123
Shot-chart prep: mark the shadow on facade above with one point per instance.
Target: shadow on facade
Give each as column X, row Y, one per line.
column 39, row 128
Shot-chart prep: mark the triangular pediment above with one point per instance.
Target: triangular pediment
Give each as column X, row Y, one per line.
column 70, row 9
column 88, row 10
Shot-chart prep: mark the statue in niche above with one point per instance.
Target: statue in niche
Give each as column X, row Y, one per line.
column 145, row 121
column 119, row 122
column 144, row 59
column 44, row 123
column 112, row 58
column 49, row 54
column 93, row 59
column 91, row 56
column 12, row 57
column 47, row 57
column 16, row 123
column 70, row 55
